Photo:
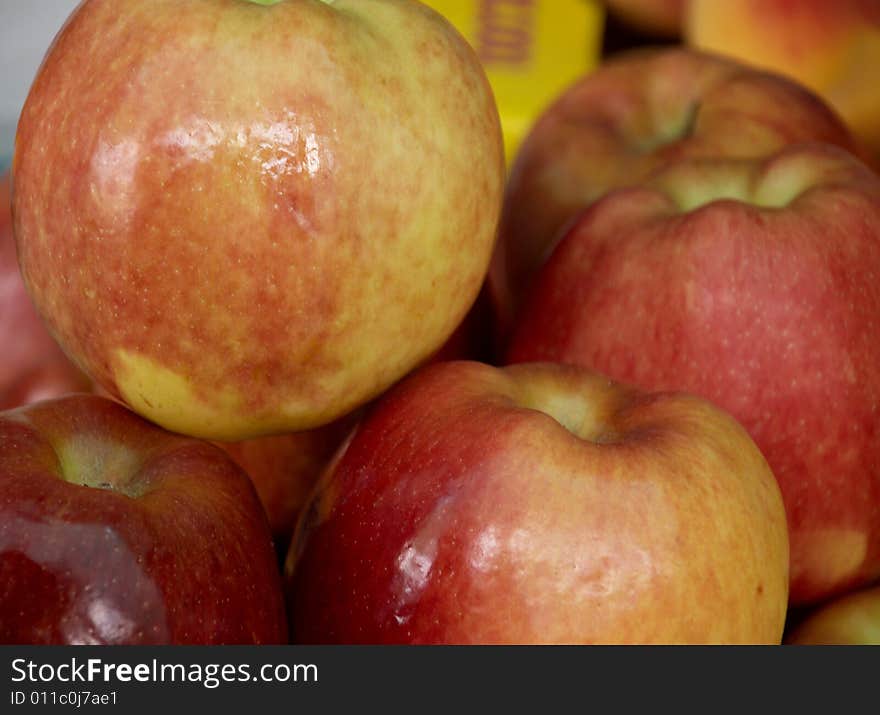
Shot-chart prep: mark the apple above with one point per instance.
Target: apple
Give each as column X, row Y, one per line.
column 540, row 503
column 830, row 47
column 655, row 18
column 637, row 112
column 264, row 213
column 115, row 531
column 32, row 366
column 753, row 284
column 285, row 467
column 850, row 619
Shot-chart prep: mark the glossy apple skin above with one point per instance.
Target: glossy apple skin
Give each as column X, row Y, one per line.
column 639, row 111
column 265, row 215
column 850, row 619
column 768, row 308
column 172, row 548
column 32, row 365
column 827, row 46
column 540, row 504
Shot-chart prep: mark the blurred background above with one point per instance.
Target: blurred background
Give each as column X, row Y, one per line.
column 26, row 30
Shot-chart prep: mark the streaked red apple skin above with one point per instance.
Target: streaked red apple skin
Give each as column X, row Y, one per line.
column 265, row 216
column 771, row 313
column 172, row 548
column 32, row 365
column 637, row 112
column 464, row 511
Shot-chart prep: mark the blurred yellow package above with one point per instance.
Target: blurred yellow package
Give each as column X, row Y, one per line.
column 531, row 50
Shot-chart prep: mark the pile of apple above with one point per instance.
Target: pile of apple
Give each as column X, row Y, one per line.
column 290, row 354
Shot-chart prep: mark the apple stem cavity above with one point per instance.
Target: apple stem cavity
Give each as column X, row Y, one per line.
column 587, row 419
column 668, row 133
column 99, row 464
column 692, row 185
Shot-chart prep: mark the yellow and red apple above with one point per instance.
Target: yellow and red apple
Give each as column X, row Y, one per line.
column 540, row 504
column 753, row 284
column 250, row 218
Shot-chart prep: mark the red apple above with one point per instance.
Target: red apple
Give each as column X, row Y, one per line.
column 540, row 504
column 757, row 286
column 851, row 619
column 831, row 47
column 264, row 214
column 637, row 112
column 114, row 531
column 32, row 366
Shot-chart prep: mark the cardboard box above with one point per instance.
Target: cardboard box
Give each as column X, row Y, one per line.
column 532, row 51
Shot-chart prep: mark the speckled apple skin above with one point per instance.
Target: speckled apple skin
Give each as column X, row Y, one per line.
column 247, row 220
column 619, row 124
column 174, row 548
column 540, row 504
column 773, row 313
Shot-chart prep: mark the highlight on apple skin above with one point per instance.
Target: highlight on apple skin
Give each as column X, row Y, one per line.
column 116, row 532
column 540, row 503
column 264, row 216
column 755, row 285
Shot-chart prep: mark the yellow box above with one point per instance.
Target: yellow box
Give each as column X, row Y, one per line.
column 531, row 51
